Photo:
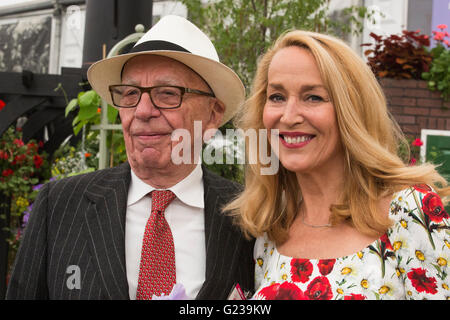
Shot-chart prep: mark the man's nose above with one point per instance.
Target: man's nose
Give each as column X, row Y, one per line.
column 145, row 109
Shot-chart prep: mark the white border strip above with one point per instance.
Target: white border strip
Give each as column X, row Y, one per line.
column 423, row 136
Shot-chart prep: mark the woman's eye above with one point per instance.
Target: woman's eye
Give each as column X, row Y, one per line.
column 276, row 97
column 314, row 98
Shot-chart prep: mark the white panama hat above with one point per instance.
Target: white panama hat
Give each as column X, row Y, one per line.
column 176, row 38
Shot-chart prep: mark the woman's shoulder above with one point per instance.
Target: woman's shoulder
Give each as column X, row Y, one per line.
column 419, row 237
column 263, row 246
column 418, row 200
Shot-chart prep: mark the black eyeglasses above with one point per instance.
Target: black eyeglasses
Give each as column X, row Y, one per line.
column 162, row 97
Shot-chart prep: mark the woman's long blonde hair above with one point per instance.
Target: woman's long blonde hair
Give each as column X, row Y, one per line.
column 369, row 135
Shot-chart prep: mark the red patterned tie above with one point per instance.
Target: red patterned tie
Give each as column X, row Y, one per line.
column 157, row 274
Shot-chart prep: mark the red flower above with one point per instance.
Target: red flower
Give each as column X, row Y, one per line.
column 301, row 269
column 7, row 172
column 412, row 161
column 432, row 206
column 19, row 158
column 4, row 155
column 421, row 282
column 424, row 188
column 283, row 291
column 2, row 104
column 325, row 266
column 18, row 142
column 353, row 296
column 37, row 161
column 319, row 289
column 442, row 26
column 384, row 238
column 417, row 143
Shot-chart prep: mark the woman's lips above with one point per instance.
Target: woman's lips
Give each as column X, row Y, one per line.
column 295, row 139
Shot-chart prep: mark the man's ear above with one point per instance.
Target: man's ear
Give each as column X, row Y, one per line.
column 217, row 110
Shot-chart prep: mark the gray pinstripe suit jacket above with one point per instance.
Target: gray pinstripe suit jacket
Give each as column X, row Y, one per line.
column 80, row 221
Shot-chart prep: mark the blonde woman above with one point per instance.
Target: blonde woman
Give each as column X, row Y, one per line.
column 344, row 217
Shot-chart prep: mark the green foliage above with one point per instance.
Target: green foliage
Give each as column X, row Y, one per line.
column 438, row 77
column 89, row 110
column 242, row 30
column 87, row 107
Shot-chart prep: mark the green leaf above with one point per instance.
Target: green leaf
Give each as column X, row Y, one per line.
column 90, row 99
column 72, row 104
column 78, row 127
column 112, row 114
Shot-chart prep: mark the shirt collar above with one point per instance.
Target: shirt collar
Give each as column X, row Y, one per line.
column 189, row 190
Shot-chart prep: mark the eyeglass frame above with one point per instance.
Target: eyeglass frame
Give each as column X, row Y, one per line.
column 149, row 89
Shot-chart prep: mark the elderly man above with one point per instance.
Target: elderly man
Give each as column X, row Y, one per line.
column 136, row 230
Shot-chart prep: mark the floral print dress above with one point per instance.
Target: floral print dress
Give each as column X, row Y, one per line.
column 410, row 261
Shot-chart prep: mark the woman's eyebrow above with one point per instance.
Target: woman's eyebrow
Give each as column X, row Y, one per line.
column 306, row 87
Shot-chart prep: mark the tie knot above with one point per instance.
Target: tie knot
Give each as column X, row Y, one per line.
column 161, row 199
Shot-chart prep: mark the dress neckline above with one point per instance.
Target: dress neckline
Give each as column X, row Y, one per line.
column 363, row 250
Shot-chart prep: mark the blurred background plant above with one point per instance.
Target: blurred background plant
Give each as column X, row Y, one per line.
column 438, row 77
column 87, row 107
column 22, row 166
column 402, row 56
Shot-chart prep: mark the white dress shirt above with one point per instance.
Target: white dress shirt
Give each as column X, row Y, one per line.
column 185, row 216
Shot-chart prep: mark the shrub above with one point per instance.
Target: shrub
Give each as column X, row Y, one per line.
column 399, row 56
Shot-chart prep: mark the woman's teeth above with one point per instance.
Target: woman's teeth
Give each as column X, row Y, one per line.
column 297, row 139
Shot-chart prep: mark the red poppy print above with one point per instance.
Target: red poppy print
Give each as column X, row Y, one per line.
column 421, row 282
column 283, row 291
column 387, row 243
column 319, row 289
column 422, row 188
column 301, row 270
column 433, row 207
column 325, row 266
column 353, row 296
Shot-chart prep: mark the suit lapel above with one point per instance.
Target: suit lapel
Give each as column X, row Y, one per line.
column 220, row 264
column 105, row 219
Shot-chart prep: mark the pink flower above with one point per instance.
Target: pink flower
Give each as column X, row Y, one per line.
column 412, row 161
column 439, row 36
column 442, row 26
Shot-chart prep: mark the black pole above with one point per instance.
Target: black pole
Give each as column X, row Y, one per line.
column 109, row 21
column 5, row 206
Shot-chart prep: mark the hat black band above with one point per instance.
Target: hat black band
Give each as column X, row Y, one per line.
column 153, row 45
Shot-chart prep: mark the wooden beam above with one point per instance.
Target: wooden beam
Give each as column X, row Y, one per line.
column 38, row 120
column 41, row 84
column 16, row 108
